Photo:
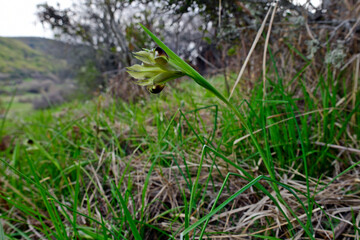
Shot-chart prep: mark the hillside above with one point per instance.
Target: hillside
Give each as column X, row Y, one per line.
column 19, row 60
column 73, row 54
column 51, row 47
column 41, row 72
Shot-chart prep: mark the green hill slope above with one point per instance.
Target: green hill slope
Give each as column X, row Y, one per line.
column 71, row 52
column 19, row 60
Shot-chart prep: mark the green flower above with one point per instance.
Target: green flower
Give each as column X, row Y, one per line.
column 155, row 71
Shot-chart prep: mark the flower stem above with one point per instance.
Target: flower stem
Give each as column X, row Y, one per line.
column 204, row 83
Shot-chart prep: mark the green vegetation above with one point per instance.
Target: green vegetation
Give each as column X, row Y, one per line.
column 19, row 60
column 108, row 170
column 278, row 161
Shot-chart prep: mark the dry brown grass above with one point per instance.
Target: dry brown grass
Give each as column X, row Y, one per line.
column 251, row 212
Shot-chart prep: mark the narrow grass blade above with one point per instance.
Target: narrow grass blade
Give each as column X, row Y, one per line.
column 169, row 125
column 49, row 195
column 2, row 234
column 146, row 183
column 17, row 230
column 195, row 184
column 51, row 209
column 76, row 195
column 289, row 188
column 89, row 233
column 6, row 113
column 265, row 237
column 127, row 213
column 221, row 206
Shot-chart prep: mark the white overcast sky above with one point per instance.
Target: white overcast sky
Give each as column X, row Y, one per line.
column 18, row 17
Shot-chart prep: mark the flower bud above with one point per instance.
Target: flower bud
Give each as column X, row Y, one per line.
column 155, row 71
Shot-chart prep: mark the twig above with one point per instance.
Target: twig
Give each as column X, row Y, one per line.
column 352, row 29
column 354, row 150
column 309, row 30
column 357, row 221
column 250, row 52
column 219, row 14
column 265, row 50
column 333, row 33
column 207, row 62
column 353, row 58
column 355, row 86
column 281, row 121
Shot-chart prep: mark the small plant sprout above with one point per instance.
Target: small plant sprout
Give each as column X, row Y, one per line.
column 155, row 71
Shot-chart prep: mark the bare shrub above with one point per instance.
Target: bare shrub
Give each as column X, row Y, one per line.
column 36, row 86
column 121, row 86
column 48, row 100
column 25, row 100
column 55, row 97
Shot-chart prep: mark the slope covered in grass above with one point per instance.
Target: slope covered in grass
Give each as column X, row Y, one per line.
column 19, row 60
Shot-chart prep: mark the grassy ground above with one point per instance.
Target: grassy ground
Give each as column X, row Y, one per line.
column 20, row 105
column 19, row 100
column 173, row 162
column 24, row 97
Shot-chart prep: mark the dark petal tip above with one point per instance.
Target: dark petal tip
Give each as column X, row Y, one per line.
column 159, row 52
column 155, row 89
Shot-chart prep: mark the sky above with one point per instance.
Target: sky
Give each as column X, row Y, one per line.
column 18, row 18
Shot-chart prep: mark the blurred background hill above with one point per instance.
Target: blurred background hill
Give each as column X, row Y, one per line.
column 39, row 72
column 21, row 58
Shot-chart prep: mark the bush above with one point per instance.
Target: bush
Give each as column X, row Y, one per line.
column 48, row 100
column 55, row 97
